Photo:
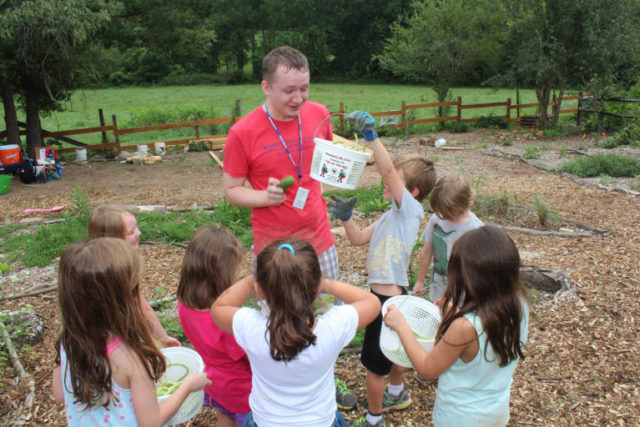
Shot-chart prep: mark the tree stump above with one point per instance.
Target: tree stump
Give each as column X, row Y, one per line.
column 545, row 279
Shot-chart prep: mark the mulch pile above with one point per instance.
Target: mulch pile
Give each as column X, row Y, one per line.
column 582, row 364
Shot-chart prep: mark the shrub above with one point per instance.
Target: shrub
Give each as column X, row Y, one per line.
column 544, row 212
column 181, row 78
column 603, row 164
column 119, row 78
column 198, row 146
column 629, row 135
column 492, row 122
column 458, row 127
column 493, row 205
column 149, row 116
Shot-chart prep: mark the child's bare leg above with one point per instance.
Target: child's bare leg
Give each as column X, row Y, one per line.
column 375, row 392
column 396, row 376
column 225, row 421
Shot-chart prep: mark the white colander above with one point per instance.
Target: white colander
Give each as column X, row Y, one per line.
column 183, row 357
column 423, row 318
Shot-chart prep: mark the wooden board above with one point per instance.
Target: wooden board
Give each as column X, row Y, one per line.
column 215, row 158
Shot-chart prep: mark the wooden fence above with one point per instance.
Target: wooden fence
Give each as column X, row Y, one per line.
column 401, row 119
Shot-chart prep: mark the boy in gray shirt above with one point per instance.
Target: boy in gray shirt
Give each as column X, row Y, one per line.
column 450, row 200
column 407, row 181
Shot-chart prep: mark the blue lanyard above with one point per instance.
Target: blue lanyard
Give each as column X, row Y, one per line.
column 299, row 169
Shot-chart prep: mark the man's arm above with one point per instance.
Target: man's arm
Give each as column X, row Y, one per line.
column 240, row 195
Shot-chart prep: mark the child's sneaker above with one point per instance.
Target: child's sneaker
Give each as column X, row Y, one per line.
column 344, row 397
column 362, row 422
column 394, row 403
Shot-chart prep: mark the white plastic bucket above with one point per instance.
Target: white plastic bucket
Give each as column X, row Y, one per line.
column 423, row 318
column 160, row 148
column 337, row 165
column 143, row 149
column 179, row 358
column 81, row 154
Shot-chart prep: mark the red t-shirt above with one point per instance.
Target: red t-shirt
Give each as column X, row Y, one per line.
column 254, row 151
column 225, row 362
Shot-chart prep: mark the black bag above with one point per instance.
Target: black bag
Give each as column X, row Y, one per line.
column 27, row 171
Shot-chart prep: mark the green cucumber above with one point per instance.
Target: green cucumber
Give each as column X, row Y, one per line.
column 286, row 182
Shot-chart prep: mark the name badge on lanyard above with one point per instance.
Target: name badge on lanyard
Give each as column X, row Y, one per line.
column 302, row 193
column 301, row 198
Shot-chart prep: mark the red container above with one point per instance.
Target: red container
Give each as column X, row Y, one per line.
column 10, row 154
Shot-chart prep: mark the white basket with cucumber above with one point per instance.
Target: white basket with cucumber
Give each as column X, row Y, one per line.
column 180, row 362
column 423, row 318
column 336, row 163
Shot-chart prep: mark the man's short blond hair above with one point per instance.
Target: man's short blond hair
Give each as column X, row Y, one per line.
column 419, row 172
column 283, row 55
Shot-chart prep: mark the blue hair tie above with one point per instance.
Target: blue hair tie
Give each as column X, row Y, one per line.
column 287, row 246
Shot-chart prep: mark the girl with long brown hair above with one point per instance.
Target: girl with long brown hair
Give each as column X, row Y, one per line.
column 292, row 351
column 106, row 359
column 483, row 329
column 209, row 267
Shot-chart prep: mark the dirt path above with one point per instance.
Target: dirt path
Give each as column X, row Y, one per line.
column 582, row 361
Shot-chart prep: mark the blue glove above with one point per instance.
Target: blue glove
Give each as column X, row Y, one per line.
column 365, row 124
column 342, row 209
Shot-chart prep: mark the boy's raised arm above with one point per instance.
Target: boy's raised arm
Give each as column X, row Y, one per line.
column 366, row 125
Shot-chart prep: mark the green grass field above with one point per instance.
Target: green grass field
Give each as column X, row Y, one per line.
column 136, row 106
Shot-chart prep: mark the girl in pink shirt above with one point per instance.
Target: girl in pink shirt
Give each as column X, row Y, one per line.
column 208, row 269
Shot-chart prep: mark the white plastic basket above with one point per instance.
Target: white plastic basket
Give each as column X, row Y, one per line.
column 194, row 363
column 423, row 318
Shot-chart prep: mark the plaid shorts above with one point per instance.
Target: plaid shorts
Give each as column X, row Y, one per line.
column 329, row 263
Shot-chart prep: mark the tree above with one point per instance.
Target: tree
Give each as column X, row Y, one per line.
column 555, row 44
column 43, row 38
column 8, row 68
column 440, row 39
column 175, row 36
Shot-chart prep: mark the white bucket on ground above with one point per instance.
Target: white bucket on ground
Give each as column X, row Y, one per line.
column 81, row 154
column 160, row 148
column 336, row 164
column 143, row 149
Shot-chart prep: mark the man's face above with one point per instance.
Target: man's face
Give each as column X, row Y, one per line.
column 287, row 91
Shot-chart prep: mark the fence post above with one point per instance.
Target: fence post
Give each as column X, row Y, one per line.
column 517, row 102
column 115, row 131
column 341, row 109
column 508, row 109
column 237, row 111
column 554, row 105
column 405, row 124
column 459, row 112
column 579, row 107
column 195, row 119
column 101, row 115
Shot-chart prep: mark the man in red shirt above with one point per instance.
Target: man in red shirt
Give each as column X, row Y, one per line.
column 274, row 141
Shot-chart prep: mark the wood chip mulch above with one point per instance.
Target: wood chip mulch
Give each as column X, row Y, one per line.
column 582, row 363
